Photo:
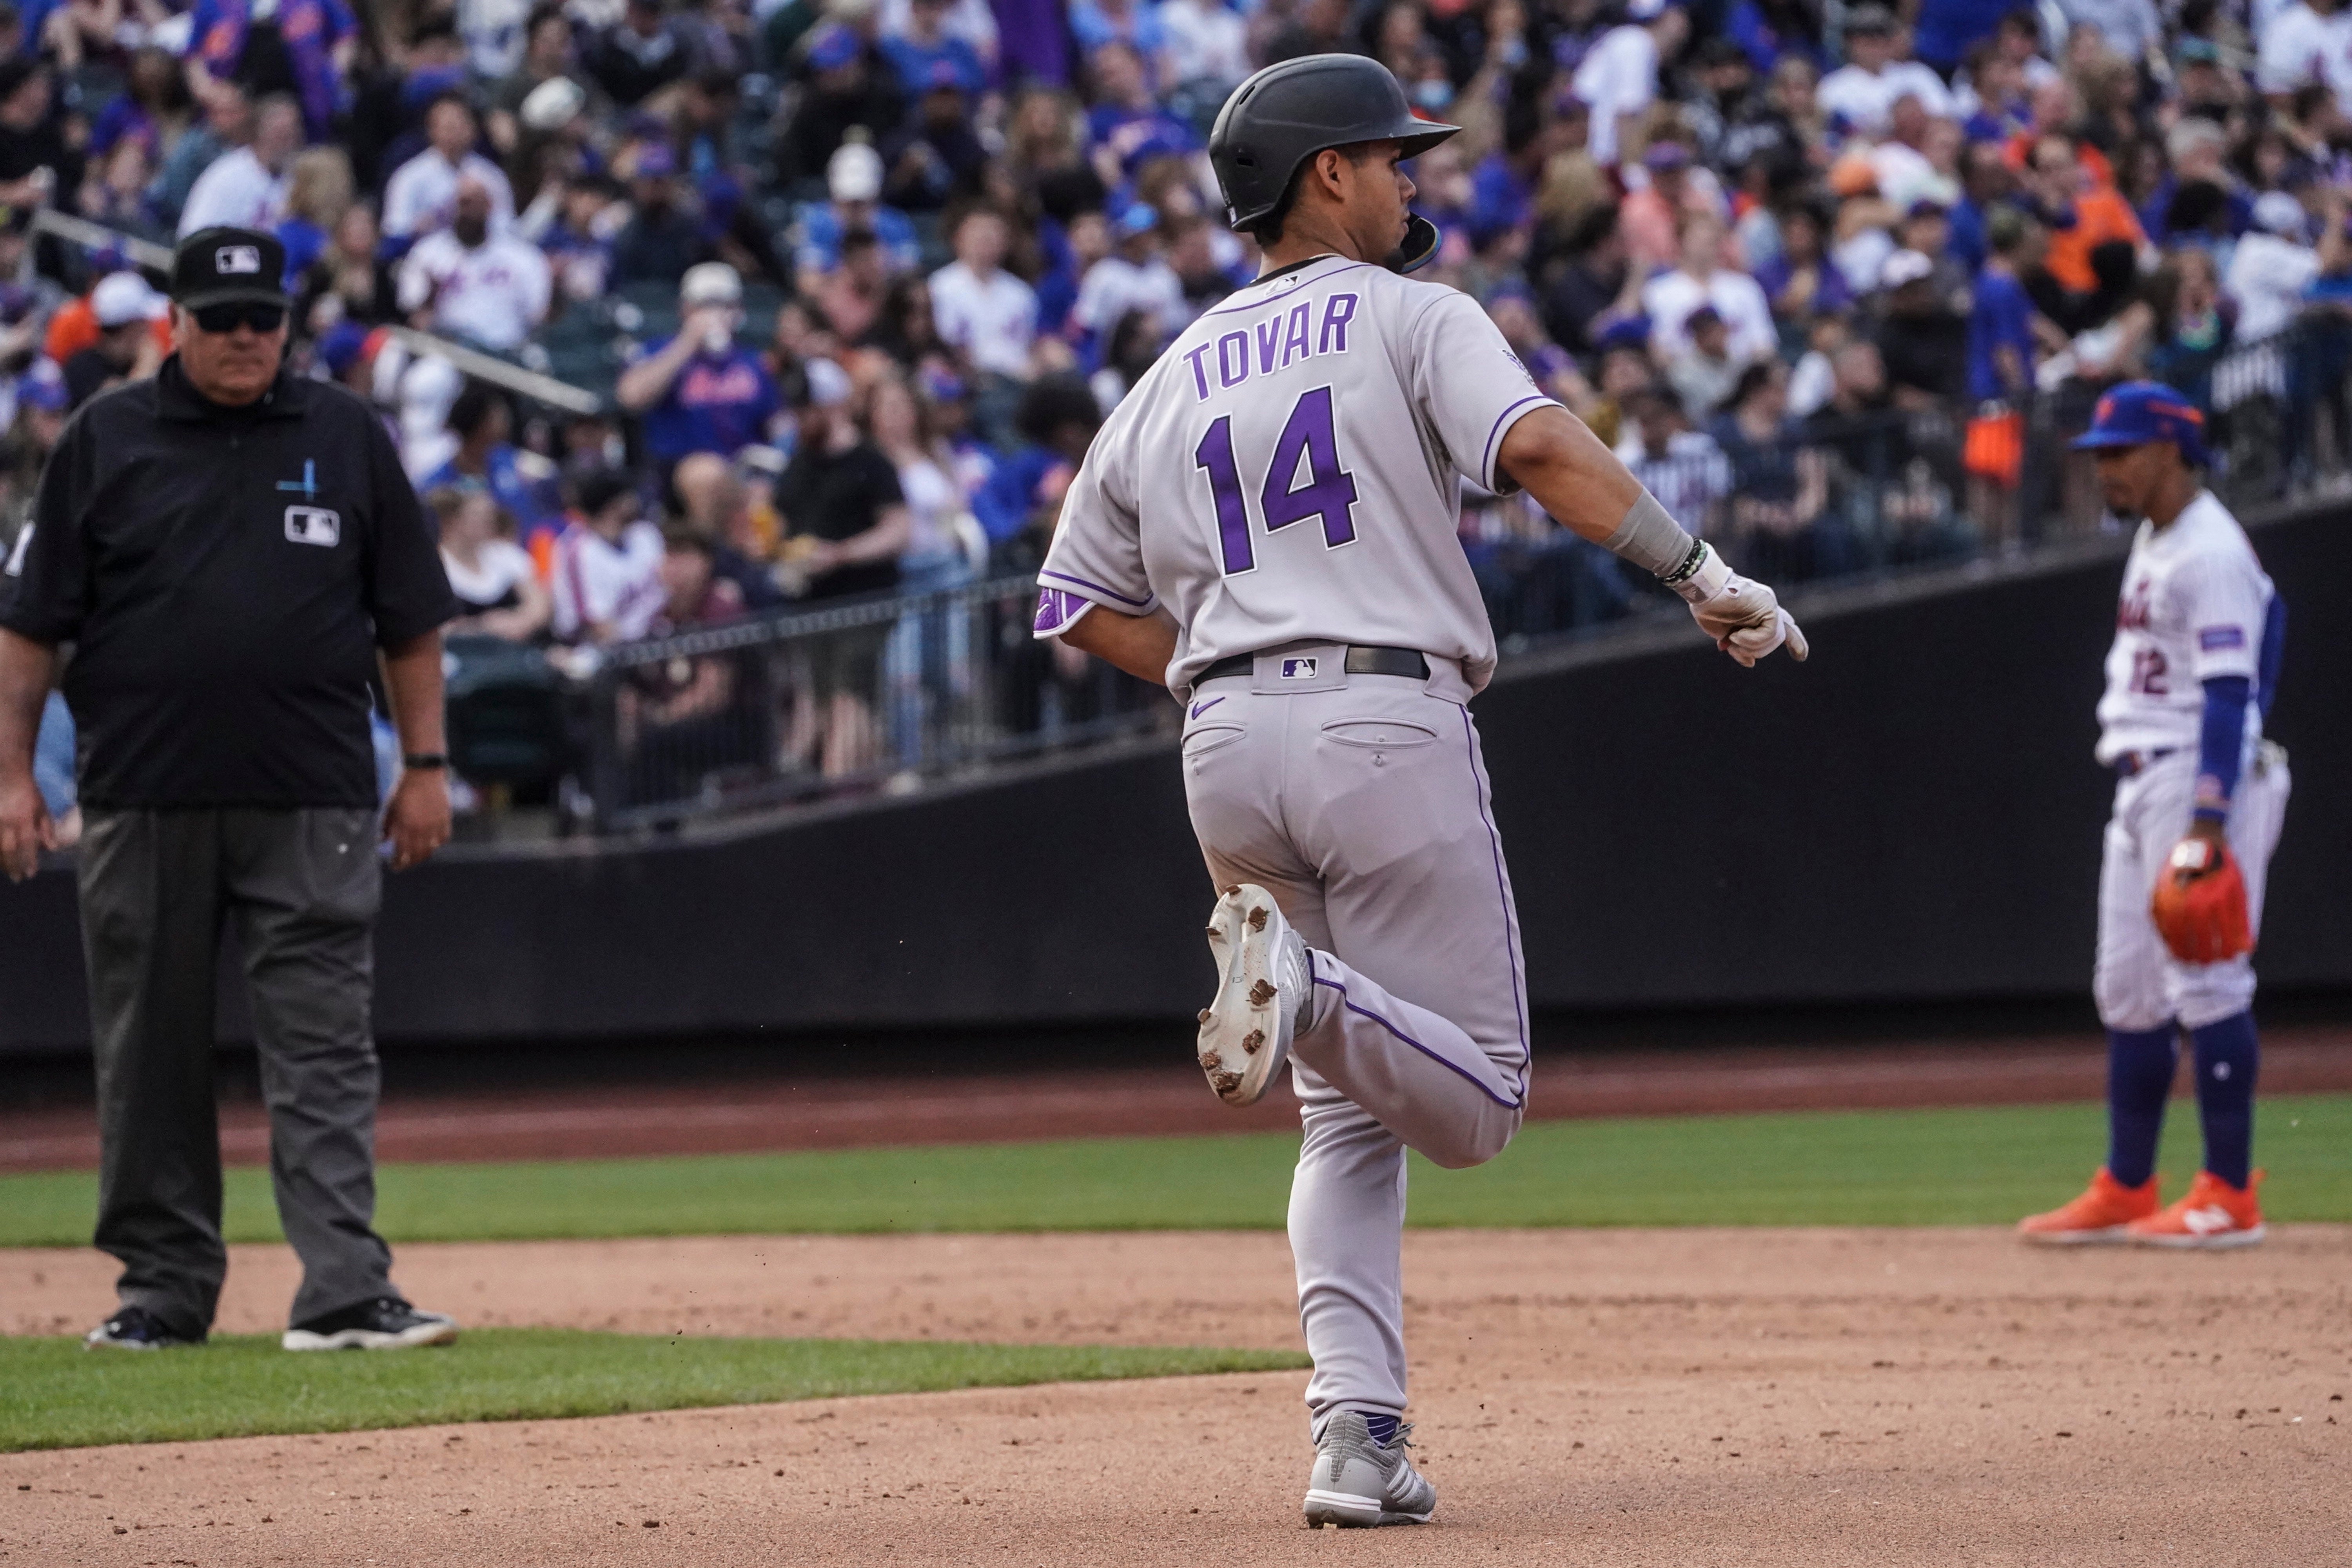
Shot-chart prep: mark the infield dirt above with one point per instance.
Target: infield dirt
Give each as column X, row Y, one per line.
column 1686, row 1398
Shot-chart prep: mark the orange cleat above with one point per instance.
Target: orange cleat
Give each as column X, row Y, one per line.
column 2214, row 1214
column 2101, row 1214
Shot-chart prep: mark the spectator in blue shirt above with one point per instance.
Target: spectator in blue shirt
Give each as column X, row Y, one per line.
column 926, row 43
column 523, row 483
column 1134, row 23
column 2000, row 321
column 701, row 391
column 1128, row 125
column 853, row 179
column 317, row 38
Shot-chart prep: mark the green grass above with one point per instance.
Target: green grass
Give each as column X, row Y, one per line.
column 1892, row 1167
column 54, row 1395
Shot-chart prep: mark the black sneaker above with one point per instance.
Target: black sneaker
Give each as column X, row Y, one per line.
column 135, row 1329
column 387, row 1323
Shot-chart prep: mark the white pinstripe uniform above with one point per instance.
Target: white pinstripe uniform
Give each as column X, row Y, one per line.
column 1284, row 483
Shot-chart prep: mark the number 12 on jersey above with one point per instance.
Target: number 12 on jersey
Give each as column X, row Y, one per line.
column 1328, row 493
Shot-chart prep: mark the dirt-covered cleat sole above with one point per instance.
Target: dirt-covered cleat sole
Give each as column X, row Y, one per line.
column 1246, row 1032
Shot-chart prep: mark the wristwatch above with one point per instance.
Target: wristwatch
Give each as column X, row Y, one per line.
column 419, row 761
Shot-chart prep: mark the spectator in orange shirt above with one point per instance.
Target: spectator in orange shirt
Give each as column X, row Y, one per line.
column 75, row 328
column 2094, row 237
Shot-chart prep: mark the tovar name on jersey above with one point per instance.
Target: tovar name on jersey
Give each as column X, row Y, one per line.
column 1290, row 472
column 1280, row 341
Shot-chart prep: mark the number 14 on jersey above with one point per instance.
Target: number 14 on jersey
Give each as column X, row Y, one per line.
column 1328, row 493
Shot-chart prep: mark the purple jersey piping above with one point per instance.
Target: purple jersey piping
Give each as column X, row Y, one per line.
column 1350, row 1003
column 1487, row 458
column 1098, row 587
column 1502, row 893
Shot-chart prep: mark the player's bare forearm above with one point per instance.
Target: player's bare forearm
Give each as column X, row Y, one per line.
column 26, row 669
column 412, row 675
column 1143, row 645
column 1556, row 459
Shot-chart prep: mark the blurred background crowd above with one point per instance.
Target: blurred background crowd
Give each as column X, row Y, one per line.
column 853, row 281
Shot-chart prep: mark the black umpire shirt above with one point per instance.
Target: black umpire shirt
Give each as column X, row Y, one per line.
column 227, row 575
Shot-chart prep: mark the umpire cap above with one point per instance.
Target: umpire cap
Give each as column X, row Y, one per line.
column 1286, row 113
column 228, row 266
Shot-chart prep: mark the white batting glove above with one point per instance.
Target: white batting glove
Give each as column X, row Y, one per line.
column 1742, row 616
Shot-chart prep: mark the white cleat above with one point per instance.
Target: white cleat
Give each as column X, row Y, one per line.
column 1264, row 983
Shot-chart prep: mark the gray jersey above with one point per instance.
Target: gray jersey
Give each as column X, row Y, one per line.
column 1288, row 471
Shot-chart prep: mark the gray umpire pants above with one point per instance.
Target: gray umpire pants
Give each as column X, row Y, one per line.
column 301, row 887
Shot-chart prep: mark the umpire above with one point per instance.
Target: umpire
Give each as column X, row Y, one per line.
column 227, row 547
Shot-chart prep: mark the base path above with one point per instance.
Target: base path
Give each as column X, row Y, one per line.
column 1669, row 1397
column 810, row 1111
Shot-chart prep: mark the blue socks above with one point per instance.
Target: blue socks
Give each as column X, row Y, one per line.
column 2227, row 1061
column 2140, row 1064
column 1383, row 1426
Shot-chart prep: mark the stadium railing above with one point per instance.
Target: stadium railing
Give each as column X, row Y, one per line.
column 865, row 697
column 894, row 693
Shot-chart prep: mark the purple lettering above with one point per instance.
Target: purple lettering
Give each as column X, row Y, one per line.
column 1269, row 336
column 1200, row 376
column 1295, row 342
column 1337, row 311
column 1230, row 371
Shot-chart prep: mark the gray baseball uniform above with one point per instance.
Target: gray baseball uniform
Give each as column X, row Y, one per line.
column 1283, row 483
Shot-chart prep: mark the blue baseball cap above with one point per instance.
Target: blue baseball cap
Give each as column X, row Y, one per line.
column 834, row 47
column 43, row 386
column 2139, row 412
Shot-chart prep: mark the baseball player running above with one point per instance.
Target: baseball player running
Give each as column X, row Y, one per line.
column 2198, row 798
column 1267, row 524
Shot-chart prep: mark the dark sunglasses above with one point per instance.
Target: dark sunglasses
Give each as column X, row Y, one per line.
column 227, row 318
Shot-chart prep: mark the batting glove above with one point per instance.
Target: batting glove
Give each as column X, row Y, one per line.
column 1743, row 616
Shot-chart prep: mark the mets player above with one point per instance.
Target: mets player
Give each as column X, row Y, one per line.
column 1267, row 524
column 2199, row 799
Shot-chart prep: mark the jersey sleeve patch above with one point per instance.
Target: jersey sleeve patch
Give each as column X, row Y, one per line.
column 1058, row 611
column 2212, row 639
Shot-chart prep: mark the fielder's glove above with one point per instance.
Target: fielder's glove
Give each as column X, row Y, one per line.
column 2200, row 904
column 1743, row 616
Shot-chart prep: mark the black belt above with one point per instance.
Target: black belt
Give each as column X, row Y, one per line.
column 1359, row 661
column 2131, row 763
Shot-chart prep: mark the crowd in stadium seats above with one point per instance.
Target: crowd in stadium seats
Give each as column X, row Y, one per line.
column 861, row 277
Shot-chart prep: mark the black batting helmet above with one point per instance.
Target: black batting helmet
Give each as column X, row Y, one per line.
column 1286, row 113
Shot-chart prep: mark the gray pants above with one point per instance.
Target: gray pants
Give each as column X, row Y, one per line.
column 1362, row 804
column 157, row 887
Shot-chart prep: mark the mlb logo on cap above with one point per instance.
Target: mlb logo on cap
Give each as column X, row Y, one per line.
column 226, row 265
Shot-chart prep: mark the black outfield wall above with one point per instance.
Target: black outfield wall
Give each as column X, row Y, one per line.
column 1913, row 815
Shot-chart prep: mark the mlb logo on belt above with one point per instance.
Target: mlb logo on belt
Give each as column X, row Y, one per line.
column 1298, row 669
column 313, row 525
column 233, row 258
